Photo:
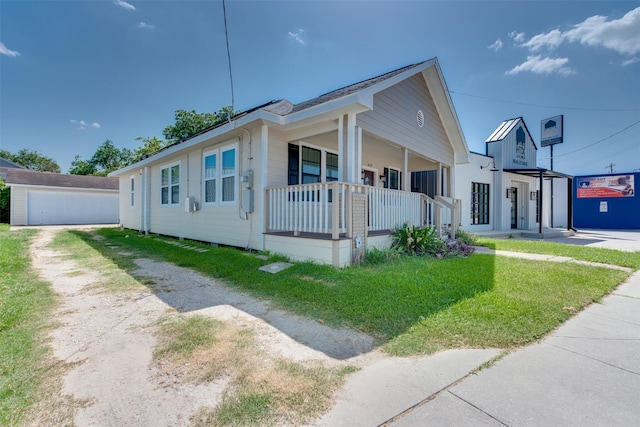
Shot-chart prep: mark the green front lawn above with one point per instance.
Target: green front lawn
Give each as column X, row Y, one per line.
column 414, row 305
column 25, row 307
column 584, row 253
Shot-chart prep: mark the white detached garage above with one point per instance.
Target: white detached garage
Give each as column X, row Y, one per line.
column 58, row 199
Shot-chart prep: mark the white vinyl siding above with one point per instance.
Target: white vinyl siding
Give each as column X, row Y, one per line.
column 394, row 118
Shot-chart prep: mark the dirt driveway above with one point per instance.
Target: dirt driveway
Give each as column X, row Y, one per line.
column 108, row 337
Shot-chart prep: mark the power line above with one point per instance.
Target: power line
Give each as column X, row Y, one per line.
column 226, row 35
column 597, row 142
column 544, row 106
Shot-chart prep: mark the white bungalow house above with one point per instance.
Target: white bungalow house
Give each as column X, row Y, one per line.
column 320, row 180
column 501, row 189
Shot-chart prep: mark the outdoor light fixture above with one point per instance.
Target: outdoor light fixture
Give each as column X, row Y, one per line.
column 493, row 168
column 383, row 178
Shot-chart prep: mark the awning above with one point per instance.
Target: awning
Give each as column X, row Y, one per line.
column 537, row 172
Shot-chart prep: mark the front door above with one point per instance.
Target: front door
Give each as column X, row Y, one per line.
column 514, row 207
column 368, row 177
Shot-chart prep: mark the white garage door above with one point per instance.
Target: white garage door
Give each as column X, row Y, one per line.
column 58, row 207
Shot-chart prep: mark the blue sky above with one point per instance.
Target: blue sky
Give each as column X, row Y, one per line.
column 76, row 73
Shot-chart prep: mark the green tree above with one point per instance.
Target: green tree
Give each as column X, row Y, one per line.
column 189, row 123
column 32, row 160
column 106, row 159
column 5, row 194
column 82, row 167
column 150, row 146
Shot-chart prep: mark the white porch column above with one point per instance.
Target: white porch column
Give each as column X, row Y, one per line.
column 351, row 148
column 341, row 155
column 359, row 155
column 406, row 184
column 264, row 161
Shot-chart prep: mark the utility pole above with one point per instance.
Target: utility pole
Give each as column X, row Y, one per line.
column 610, row 167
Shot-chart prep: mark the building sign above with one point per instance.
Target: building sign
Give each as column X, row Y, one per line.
column 551, row 131
column 606, row 186
column 520, row 158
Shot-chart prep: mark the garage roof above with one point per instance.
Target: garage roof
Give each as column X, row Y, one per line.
column 28, row 177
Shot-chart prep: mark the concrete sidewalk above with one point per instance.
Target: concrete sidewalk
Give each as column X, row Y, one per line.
column 586, row 373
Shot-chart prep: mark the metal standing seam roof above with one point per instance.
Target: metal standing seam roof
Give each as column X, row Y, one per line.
column 503, row 130
column 27, row 177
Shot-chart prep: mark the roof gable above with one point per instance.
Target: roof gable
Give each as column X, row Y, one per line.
column 505, row 129
column 284, row 113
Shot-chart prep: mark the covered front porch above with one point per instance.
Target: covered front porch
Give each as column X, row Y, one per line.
column 336, row 222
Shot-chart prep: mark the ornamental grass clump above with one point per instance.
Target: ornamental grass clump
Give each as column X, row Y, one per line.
column 422, row 241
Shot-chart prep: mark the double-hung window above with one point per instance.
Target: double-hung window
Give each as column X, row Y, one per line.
column 479, row 203
column 228, row 174
column 220, row 170
column 210, row 177
column 170, row 185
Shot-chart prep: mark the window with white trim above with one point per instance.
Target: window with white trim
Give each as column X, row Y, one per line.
column 308, row 165
column 170, row 185
column 229, row 180
column 210, row 177
column 479, row 203
column 392, row 178
column 132, row 189
column 220, row 180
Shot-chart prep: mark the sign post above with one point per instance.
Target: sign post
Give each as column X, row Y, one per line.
column 551, row 133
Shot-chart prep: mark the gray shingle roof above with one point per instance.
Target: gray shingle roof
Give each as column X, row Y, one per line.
column 27, row 177
column 348, row 90
column 4, row 163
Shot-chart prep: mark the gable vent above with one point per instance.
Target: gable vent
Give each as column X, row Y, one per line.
column 420, row 118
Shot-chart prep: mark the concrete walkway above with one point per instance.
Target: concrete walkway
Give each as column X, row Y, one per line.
column 586, row 373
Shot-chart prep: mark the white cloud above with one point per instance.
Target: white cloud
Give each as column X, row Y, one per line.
column 517, row 37
column 621, row 35
column 123, row 4
column 6, row 51
column 297, row 36
column 630, row 61
column 145, row 26
column 543, row 65
column 552, row 40
column 496, row 46
column 84, row 125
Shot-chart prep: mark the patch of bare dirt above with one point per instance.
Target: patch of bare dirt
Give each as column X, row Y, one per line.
column 108, row 338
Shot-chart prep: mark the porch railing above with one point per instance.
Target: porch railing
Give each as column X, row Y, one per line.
column 325, row 208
